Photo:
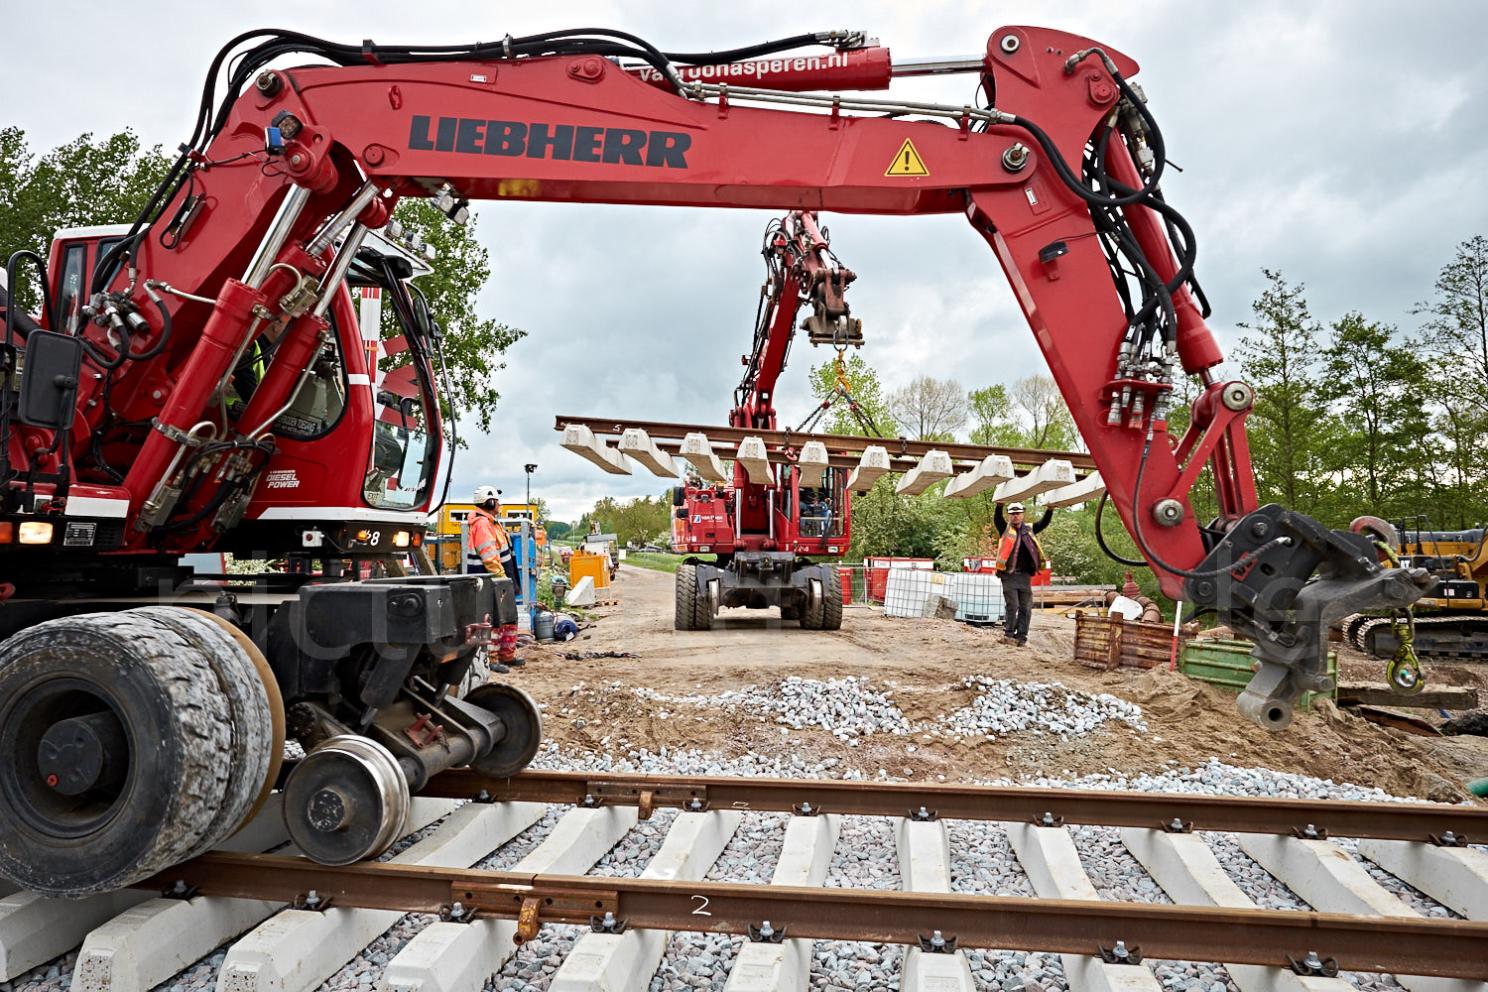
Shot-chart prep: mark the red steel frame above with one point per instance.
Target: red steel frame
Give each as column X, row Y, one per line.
column 412, row 127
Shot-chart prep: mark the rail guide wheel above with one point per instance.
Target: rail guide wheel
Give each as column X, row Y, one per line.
column 102, row 781
column 346, row 801
column 524, row 730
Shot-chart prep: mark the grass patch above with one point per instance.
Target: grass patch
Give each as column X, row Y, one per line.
column 657, row 561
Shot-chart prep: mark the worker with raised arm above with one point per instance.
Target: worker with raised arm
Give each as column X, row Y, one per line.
column 1020, row 557
column 488, row 549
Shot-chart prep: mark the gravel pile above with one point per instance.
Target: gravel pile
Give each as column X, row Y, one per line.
column 1017, row 971
column 630, row 857
column 1003, row 706
column 838, row 965
column 866, row 856
column 849, row 709
column 846, row 707
column 531, row 969
column 505, row 857
column 982, row 861
column 1258, row 884
column 1413, row 897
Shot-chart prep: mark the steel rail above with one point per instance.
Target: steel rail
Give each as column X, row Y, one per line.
column 1425, row 822
column 1402, row 945
column 835, row 442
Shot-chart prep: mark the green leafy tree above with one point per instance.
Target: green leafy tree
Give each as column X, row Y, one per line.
column 474, row 346
column 84, row 182
column 992, row 419
column 1280, row 356
column 631, row 521
column 1372, row 382
column 865, row 390
column 1455, row 336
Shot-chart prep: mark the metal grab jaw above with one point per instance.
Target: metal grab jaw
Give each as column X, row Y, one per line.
column 1284, row 597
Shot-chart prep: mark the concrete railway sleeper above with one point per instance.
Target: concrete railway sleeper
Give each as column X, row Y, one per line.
column 1405, row 945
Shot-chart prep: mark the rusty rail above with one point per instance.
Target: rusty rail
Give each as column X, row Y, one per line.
column 1405, row 945
column 898, row 447
column 1426, row 822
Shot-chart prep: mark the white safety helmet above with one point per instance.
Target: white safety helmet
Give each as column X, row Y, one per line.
column 484, row 493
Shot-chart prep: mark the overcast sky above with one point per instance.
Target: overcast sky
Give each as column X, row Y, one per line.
column 1344, row 143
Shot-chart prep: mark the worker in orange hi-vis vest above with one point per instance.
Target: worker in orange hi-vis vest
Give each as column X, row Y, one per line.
column 1020, row 556
column 488, row 549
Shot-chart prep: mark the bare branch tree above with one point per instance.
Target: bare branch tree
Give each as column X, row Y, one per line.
column 929, row 409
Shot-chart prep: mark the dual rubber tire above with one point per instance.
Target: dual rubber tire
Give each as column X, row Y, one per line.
column 826, row 614
column 693, row 608
column 129, row 742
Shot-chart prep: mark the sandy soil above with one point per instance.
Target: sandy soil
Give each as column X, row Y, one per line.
column 590, row 704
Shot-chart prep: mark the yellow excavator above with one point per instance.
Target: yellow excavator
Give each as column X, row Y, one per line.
column 1451, row 620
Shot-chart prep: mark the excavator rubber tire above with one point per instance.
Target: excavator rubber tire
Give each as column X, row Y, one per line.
column 162, row 726
column 693, row 610
column 250, row 719
column 524, row 728
column 827, row 614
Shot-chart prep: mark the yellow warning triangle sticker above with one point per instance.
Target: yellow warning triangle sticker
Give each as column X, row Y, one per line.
column 907, row 162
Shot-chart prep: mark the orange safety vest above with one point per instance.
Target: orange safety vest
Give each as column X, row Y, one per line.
column 1009, row 542
column 486, row 542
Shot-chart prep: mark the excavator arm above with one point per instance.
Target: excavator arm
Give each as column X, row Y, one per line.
column 799, row 269
column 1060, row 174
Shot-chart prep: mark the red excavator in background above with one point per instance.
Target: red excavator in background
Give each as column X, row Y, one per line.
column 168, row 419
column 765, row 527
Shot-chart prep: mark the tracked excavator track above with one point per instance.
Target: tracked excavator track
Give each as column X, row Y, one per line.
column 1435, row 640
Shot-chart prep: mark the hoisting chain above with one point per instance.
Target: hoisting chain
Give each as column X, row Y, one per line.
column 1404, row 671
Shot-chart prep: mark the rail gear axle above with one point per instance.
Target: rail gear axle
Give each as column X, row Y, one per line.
column 203, row 385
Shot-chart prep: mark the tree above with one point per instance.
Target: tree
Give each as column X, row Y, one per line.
column 1457, row 324
column 929, row 409
column 92, row 181
column 1279, row 357
column 1455, row 335
column 633, row 521
column 84, row 182
column 863, row 389
column 1372, row 382
column 474, row 346
column 993, row 421
column 1046, row 417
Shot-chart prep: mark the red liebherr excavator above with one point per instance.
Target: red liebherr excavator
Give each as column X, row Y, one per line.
column 129, row 740
column 766, row 525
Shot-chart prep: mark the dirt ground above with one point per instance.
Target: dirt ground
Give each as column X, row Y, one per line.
column 590, row 705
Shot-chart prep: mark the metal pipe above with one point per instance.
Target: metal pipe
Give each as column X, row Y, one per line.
column 284, row 221
column 940, row 65
column 341, row 221
column 338, row 269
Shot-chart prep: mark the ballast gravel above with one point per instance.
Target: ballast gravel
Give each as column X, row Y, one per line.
column 851, row 708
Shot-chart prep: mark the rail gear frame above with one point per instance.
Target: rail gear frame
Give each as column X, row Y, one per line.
column 1060, row 173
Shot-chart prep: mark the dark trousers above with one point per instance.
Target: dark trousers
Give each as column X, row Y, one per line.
column 1017, row 596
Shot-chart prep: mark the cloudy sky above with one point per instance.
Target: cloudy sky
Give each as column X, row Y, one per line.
column 1344, row 143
